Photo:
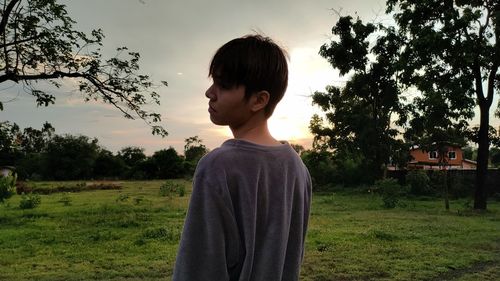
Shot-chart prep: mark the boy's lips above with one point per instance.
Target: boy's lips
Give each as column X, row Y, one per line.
column 211, row 109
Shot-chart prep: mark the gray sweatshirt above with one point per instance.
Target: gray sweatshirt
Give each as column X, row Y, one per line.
column 247, row 215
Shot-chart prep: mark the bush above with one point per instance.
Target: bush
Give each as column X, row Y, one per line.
column 321, row 168
column 461, row 186
column 161, row 233
column 391, row 192
column 122, row 198
column 7, row 186
column 438, row 180
column 170, row 188
column 65, row 199
column 30, row 201
column 419, row 182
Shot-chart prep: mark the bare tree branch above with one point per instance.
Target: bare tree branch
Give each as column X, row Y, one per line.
column 6, row 15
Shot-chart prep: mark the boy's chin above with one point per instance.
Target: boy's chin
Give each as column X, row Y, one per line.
column 217, row 122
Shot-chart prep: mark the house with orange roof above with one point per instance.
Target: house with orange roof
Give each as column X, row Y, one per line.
column 452, row 159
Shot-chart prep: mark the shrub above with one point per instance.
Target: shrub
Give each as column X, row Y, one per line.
column 181, row 191
column 320, row 166
column 65, row 199
column 170, row 188
column 391, row 192
column 438, row 180
column 30, row 201
column 161, row 233
column 7, row 185
column 138, row 200
column 122, row 198
column 419, row 182
column 461, row 186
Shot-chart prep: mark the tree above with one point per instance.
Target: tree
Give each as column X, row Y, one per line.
column 107, row 165
column 9, row 143
column 495, row 156
column 468, row 152
column 194, row 149
column 298, row 148
column 168, row 163
column 133, row 157
column 39, row 43
column 360, row 113
column 451, row 48
column 70, row 157
column 32, row 144
column 35, row 141
column 320, row 166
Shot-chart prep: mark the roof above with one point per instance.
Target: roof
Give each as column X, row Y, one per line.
column 12, row 168
column 414, row 147
column 470, row 161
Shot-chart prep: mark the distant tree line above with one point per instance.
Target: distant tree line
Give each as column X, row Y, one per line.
column 329, row 169
column 332, row 171
column 40, row 154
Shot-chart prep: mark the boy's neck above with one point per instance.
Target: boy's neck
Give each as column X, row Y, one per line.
column 256, row 131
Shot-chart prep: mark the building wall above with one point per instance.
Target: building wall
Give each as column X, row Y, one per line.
column 420, row 156
column 468, row 166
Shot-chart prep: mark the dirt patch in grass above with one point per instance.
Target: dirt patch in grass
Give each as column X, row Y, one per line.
column 480, row 268
column 456, row 274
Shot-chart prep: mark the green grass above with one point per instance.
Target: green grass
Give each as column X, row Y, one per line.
column 133, row 234
column 352, row 238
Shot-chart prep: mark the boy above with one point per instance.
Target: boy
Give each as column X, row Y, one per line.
column 249, row 209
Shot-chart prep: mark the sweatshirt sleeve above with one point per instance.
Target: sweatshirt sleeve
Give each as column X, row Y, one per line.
column 210, row 242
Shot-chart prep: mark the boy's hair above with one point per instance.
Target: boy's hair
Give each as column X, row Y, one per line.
column 255, row 62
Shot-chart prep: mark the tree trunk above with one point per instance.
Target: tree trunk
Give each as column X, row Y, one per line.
column 446, row 190
column 480, row 196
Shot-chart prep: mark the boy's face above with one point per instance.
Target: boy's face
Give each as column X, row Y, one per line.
column 228, row 106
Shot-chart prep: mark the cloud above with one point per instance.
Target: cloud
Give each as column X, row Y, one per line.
column 176, row 45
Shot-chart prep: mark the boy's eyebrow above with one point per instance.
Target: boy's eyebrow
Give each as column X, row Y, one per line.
column 217, row 79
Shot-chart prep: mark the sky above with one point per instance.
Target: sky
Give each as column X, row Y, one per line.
column 176, row 40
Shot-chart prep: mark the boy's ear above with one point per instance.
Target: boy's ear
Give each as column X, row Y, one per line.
column 259, row 100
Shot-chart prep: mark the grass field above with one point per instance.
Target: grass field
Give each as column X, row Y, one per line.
column 133, row 234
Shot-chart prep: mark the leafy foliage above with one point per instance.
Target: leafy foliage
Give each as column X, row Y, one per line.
column 40, row 43
column 9, row 143
column 44, row 155
column 443, row 55
column 451, row 54
column 30, row 201
column 107, row 165
column 320, row 166
column 168, row 188
column 391, row 192
column 194, row 149
column 419, row 182
column 22, row 148
column 7, row 186
column 168, row 163
column 495, row 157
column 71, row 157
column 360, row 113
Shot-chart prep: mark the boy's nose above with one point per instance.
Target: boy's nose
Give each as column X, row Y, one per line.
column 209, row 93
